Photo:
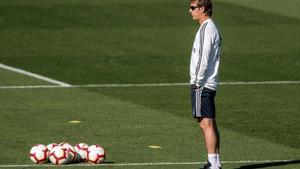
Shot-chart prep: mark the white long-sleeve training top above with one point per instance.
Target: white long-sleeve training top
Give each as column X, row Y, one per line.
column 205, row 57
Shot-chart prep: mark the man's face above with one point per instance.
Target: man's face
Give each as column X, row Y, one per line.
column 195, row 10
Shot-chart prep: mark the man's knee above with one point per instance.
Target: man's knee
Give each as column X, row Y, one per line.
column 205, row 123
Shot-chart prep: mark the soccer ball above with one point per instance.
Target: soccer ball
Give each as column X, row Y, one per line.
column 51, row 145
column 82, row 150
column 60, row 155
column 96, row 154
column 39, row 153
column 71, row 150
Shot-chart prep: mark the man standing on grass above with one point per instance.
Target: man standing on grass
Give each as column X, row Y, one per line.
column 204, row 67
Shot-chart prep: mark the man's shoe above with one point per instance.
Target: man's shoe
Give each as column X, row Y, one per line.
column 208, row 166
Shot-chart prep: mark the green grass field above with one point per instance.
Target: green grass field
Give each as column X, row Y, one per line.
column 83, row 42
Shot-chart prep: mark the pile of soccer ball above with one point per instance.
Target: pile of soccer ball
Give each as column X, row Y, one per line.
column 65, row 153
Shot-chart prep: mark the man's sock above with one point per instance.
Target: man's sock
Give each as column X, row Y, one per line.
column 218, row 160
column 212, row 159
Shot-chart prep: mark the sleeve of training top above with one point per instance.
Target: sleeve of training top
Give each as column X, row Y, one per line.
column 205, row 57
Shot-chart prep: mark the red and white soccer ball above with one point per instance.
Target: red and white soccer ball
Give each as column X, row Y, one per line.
column 39, row 153
column 60, row 155
column 82, row 150
column 51, row 145
column 71, row 150
column 96, row 154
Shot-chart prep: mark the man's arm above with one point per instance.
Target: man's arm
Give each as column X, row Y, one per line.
column 205, row 56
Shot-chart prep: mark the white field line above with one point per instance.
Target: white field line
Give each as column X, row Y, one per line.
column 33, row 75
column 144, row 85
column 142, row 164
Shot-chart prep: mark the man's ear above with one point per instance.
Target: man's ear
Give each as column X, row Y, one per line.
column 202, row 9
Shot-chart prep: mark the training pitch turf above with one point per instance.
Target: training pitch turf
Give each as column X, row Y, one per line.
column 89, row 43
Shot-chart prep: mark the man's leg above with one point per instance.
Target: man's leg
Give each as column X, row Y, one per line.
column 209, row 131
column 211, row 138
column 218, row 139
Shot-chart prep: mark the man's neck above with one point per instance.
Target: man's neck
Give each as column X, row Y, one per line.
column 203, row 19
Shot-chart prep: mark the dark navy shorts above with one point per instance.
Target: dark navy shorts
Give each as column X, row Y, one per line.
column 203, row 104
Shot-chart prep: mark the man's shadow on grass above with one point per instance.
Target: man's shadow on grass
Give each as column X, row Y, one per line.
column 269, row 164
